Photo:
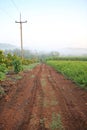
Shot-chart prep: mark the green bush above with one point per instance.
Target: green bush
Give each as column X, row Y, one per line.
column 2, row 75
column 28, row 61
column 3, row 68
column 17, row 65
column 3, row 71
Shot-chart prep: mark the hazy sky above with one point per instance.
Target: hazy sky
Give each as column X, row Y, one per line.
column 52, row 24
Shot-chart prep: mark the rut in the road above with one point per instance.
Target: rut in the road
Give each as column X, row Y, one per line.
column 40, row 94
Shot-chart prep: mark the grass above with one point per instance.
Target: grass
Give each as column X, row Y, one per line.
column 56, row 123
column 50, row 103
column 42, row 122
column 2, row 92
column 43, row 82
column 32, row 76
column 2, row 76
column 54, row 103
column 29, row 67
column 18, row 77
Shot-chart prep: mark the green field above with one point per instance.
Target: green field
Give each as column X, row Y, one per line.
column 74, row 70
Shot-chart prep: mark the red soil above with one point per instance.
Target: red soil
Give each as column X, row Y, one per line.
column 31, row 102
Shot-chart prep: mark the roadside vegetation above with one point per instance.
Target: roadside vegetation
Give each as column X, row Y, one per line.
column 30, row 66
column 56, row 123
column 13, row 63
column 74, row 70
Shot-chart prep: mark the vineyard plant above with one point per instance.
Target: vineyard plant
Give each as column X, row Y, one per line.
column 74, row 70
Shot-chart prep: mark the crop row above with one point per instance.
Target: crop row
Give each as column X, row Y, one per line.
column 74, row 70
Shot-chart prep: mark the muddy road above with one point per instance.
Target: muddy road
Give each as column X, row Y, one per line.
column 44, row 100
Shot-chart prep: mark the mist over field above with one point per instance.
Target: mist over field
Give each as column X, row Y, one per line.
column 61, row 51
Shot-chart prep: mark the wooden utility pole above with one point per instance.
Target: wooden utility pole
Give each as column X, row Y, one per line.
column 21, row 37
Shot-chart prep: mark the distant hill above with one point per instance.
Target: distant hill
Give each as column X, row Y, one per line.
column 5, row 46
column 73, row 51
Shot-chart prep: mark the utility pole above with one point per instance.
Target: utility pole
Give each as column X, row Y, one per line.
column 21, row 37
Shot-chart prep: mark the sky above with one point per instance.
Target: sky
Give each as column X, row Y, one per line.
column 51, row 24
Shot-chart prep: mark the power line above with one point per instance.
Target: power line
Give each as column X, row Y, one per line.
column 15, row 5
column 6, row 13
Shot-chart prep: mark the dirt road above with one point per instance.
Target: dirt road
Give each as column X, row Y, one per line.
column 44, row 100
